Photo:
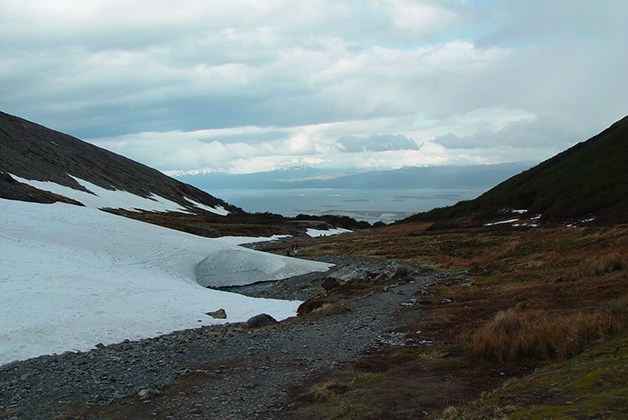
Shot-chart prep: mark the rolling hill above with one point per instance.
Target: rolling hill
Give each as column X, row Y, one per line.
column 587, row 181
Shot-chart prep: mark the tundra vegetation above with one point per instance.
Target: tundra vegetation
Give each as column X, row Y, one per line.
column 531, row 323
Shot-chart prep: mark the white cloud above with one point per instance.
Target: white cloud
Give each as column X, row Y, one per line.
column 377, row 143
column 241, row 84
column 421, row 18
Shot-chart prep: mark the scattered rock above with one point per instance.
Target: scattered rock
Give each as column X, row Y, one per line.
column 399, row 273
column 347, row 273
column 310, row 306
column 381, row 277
column 330, row 283
column 147, row 393
column 258, row 321
column 219, row 314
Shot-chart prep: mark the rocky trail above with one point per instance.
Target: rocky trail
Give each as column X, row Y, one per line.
column 230, row 371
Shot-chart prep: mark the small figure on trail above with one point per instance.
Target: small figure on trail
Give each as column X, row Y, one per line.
column 296, row 251
column 288, row 252
column 292, row 246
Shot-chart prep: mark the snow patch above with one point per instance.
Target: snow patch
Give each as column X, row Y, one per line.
column 102, row 198
column 240, row 240
column 574, row 225
column 73, row 277
column 219, row 210
column 502, row 222
column 244, row 266
column 315, row 233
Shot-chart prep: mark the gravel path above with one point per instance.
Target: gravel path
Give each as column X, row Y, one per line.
column 216, row 372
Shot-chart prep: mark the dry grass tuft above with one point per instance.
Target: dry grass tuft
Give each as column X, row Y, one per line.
column 540, row 335
column 330, row 309
column 592, row 267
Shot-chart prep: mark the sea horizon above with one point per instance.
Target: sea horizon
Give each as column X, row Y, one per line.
column 371, row 205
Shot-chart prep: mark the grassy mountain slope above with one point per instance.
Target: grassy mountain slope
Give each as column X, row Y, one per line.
column 589, row 179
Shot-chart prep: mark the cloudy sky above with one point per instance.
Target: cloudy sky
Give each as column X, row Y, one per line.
column 253, row 85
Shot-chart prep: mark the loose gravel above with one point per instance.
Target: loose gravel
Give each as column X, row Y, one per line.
column 224, row 371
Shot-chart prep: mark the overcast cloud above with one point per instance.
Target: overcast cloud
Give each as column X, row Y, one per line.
column 252, row 85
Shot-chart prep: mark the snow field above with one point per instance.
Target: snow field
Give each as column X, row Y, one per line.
column 116, row 199
column 315, row 233
column 73, row 277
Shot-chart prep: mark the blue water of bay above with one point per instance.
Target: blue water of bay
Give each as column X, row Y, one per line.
column 372, row 205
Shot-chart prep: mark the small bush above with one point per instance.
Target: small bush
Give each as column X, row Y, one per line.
column 518, row 335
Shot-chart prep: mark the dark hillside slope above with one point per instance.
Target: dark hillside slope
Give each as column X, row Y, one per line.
column 35, row 152
column 589, row 179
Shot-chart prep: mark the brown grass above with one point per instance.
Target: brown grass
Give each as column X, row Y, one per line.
column 515, row 300
column 592, row 267
column 540, row 335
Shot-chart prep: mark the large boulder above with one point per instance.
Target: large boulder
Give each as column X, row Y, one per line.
column 258, row 321
column 219, row 314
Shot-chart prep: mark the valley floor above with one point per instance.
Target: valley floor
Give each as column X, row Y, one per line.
column 492, row 323
column 214, row 372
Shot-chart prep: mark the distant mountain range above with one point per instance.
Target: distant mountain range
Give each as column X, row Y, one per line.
column 429, row 177
column 589, row 182
column 35, row 153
